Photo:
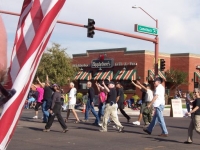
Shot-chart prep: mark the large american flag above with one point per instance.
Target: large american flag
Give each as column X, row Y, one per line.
column 36, row 23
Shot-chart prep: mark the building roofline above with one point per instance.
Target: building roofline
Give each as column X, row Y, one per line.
column 185, row 55
column 124, row 49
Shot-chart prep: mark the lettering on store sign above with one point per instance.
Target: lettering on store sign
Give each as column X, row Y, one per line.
column 80, row 65
column 125, row 64
column 106, row 63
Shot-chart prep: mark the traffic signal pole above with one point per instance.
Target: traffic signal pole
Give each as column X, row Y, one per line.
column 156, row 51
column 154, row 40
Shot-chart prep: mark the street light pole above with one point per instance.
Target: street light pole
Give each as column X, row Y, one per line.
column 156, row 42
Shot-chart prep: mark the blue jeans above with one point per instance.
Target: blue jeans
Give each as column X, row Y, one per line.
column 130, row 102
column 101, row 110
column 188, row 106
column 88, row 108
column 45, row 111
column 158, row 117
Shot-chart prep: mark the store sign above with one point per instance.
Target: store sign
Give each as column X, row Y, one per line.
column 125, row 64
column 176, row 108
column 106, row 63
column 80, row 65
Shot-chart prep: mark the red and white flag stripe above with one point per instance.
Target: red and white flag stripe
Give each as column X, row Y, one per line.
column 36, row 23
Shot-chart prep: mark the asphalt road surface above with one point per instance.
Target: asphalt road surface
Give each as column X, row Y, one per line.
column 84, row 136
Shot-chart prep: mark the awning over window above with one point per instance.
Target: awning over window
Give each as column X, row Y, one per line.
column 151, row 75
column 102, row 75
column 196, row 76
column 125, row 75
column 83, row 75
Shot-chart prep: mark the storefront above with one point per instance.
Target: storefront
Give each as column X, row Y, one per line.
column 124, row 66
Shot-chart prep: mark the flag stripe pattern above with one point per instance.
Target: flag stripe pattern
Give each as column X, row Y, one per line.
column 36, row 23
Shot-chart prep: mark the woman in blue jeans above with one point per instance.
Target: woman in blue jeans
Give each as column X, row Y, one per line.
column 90, row 105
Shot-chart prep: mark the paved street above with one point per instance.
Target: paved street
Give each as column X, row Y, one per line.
column 84, row 136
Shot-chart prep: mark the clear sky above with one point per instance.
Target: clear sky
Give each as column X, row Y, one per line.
column 179, row 24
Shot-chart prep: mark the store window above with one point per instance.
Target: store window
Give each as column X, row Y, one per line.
column 127, row 85
column 82, row 85
column 196, row 85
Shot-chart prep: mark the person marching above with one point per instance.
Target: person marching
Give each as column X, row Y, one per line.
column 147, row 112
column 120, row 100
column 72, row 103
column 158, row 103
column 102, row 98
column 138, row 85
column 90, row 105
column 40, row 90
column 195, row 117
column 111, row 107
column 48, row 91
column 55, row 110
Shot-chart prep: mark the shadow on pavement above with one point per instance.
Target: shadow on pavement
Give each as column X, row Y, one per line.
column 178, row 127
column 30, row 119
column 164, row 139
column 40, row 130
column 85, row 128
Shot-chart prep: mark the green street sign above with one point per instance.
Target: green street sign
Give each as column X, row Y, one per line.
column 145, row 29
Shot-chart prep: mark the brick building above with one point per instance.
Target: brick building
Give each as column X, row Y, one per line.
column 121, row 65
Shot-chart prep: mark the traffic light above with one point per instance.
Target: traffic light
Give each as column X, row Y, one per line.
column 90, row 28
column 162, row 64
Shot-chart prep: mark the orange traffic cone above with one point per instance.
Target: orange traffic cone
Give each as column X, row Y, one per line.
column 83, row 108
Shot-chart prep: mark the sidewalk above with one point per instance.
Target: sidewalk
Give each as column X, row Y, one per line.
column 130, row 111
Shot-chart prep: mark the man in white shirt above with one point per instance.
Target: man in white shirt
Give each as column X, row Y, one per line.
column 158, row 104
column 72, row 103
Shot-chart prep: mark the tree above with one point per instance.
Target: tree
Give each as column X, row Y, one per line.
column 57, row 64
column 176, row 77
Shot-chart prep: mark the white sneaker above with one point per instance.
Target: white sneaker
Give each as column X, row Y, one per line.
column 35, row 117
column 136, row 123
column 116, row 127
column 100, row 124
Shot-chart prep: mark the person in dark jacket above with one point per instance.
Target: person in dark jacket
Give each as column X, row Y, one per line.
column 195, row 116
column 55, row 110
column 120, row 100
column 90, row 105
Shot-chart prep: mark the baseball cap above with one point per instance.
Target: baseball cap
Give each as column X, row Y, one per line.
column 146, row 84
column 158, row 79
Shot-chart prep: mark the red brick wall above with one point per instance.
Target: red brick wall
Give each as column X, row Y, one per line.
column 145, row 62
